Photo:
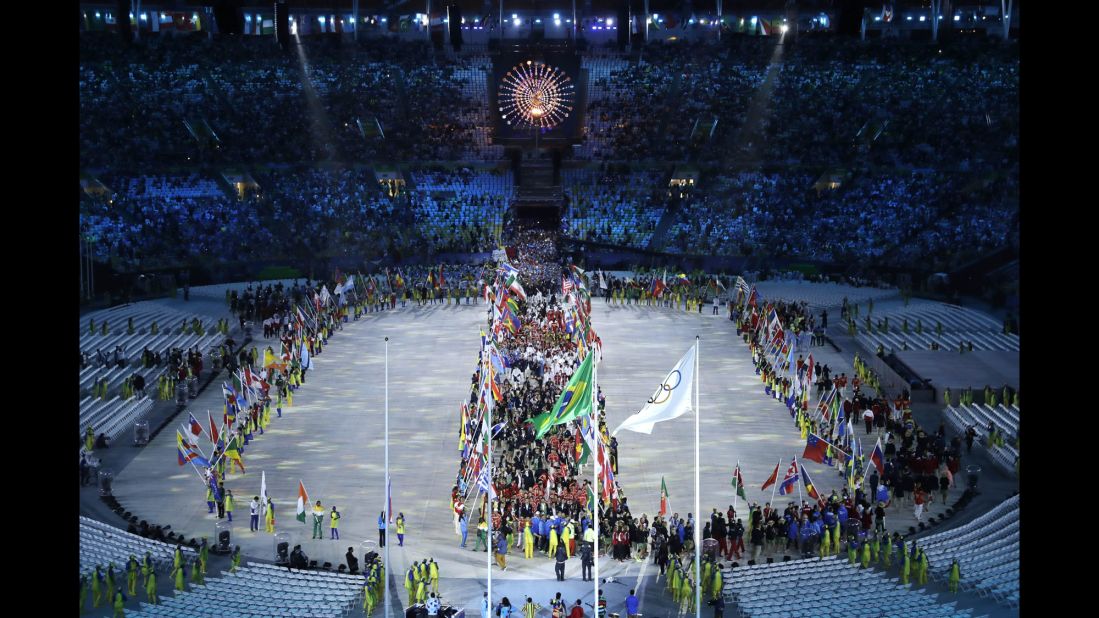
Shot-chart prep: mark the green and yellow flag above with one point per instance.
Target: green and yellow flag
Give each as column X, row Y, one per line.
column 574, row 402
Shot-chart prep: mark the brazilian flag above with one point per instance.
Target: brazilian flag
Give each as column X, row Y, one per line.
column 574, row 402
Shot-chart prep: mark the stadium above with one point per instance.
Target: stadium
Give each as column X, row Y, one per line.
column 628, row 307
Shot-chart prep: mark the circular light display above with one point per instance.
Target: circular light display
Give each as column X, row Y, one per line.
column 534, row 94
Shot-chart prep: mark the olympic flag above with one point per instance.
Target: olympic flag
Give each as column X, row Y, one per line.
column 672, row 398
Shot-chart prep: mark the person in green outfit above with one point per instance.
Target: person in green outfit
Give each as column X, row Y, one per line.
column 109, row 589
column 717, row 582
column 236, row 560
column 865, row 555
column 229, row 504
column 197, row 574
column 905, row 568
column 150, row 588
column 921, row 574
column 433, row 575
column 482, row 534
column 318, row 519
column 83, row 592
column 119, row 603
column 852, row 547
column 131, row 576
column 203, row 555
column 955, row 577
column 146, row 568
column 887, row 553
column 368, row 594
column 97, row 591
column 89, row 439
column 825, row 543
column 178, row 572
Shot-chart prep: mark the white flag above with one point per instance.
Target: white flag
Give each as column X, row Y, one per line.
column 672, row 398
column 263, row 487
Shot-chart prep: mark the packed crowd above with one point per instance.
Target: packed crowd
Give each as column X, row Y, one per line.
column 295, row 214
column 894, row 219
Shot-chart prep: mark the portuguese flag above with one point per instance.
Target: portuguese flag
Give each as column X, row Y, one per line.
column 663, row 497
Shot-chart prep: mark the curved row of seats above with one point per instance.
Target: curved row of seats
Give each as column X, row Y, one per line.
column 265, row 590
column 827, row 587
column 959, row 324
column 1006, row 420
column 102, row 544
column 987, row 551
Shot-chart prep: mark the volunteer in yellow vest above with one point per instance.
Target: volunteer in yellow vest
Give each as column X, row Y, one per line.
column 400, row 529
column 334, row 523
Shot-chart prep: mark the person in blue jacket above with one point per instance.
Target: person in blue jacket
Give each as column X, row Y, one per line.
column 464, row 525
column 536, row 530
column 791, row 532
column 805, row 531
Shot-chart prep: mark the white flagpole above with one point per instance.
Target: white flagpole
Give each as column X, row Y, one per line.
column 385, row 498
column 736, row 481
column 698, row 511
column 596, row 498
column 488, row 494
column 775, row 485
column 797, row 465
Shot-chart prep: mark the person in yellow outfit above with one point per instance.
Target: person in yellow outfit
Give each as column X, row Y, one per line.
column 718, row 581
column 905, row 568
column 955, row 577
column 410, row 584
column 269, row 516
column 97, row 592
column 566, row 536
column 178, row 573
column 236, row 560
column 552, row 542
column 119, row 604
column 131, row 576
column 89, row 439
column 150, row 588
column 433, row 573
column 528, row 541
column 83, row 592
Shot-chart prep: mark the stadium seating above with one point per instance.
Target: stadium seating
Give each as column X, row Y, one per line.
column 262, row 590
column 101, row 544
column 979, row 416
column 612, row 208
column 838, row 589
column 987, row 551
column 960, row 325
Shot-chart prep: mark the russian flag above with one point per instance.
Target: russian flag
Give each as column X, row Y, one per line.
column 877, row 457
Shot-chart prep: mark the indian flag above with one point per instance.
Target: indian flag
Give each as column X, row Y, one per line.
column 303, row 500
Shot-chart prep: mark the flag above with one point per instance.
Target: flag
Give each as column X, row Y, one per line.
column 602, row 281
column 682, row 278
column 753, row 298
column 486, row 484
column 306, row 360
column 389, row 498
column 718, row 282
column 213, row 428
column 656, row 288
column 877, row 457
column 809, row 488
column 399, row 282
column 771, row 479
column 512, row 283
column 182, row 457
column 816, row 449
column 194, row 425
column 574, row 401
column 738, row 482
column 663, row 497
column 671, row 399
column 232, row 452
column 442, row 280
column 790, row 480
column 263, row 486
column 303, row 501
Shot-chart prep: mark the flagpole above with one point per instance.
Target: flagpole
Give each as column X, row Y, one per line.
column 598, row 442
column 698, row 511
column 775, row 485
column 736, row 481
column 488, row 494
column 385, row 488
column 801, row 498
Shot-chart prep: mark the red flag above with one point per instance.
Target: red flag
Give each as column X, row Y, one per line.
column 213, row 428
column 816, row 449
column 771, row 479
